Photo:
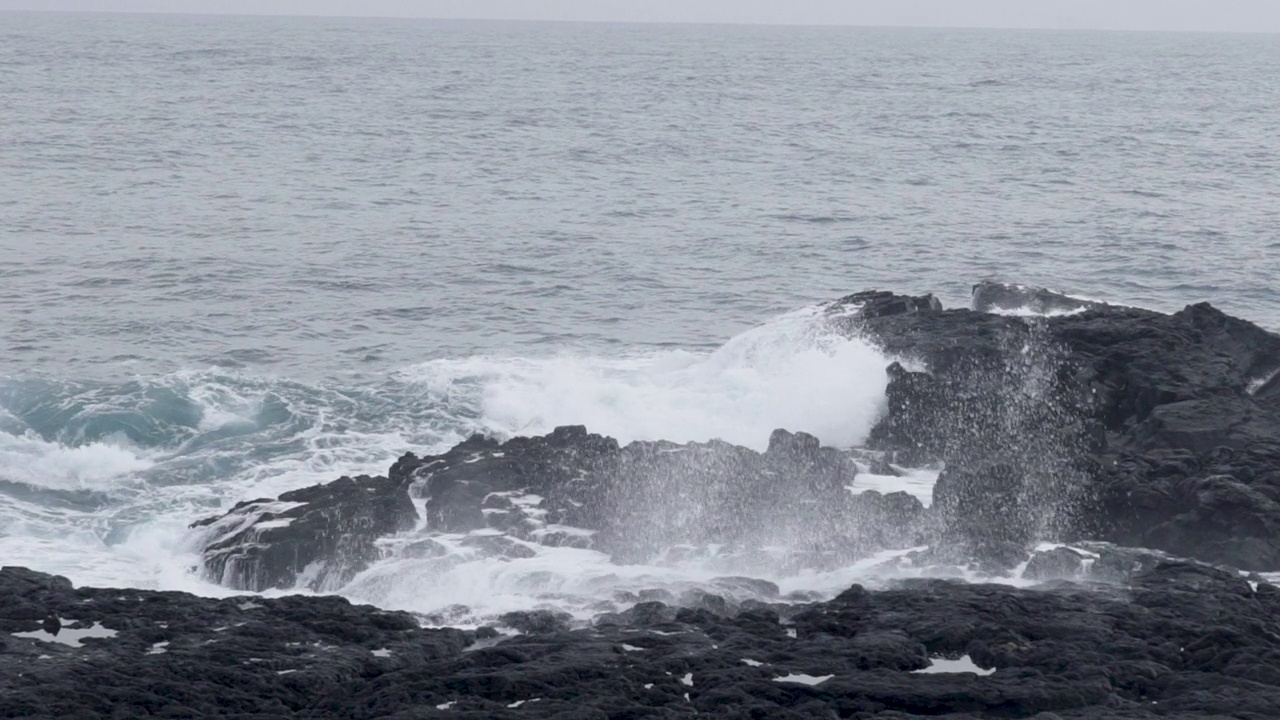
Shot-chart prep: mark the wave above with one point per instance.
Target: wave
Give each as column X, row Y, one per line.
column 31, row 460
column 157, row 453
column 794, row 372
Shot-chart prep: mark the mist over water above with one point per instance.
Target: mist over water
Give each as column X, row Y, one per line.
column 246, row 255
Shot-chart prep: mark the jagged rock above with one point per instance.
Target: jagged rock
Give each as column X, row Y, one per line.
column 537, row 622
column 567, row 488
column 793, row 493
column 1221, row 506
column 322, row 535
column 892, row 520
column 1061, row 400
column 1089, row 425
column 1178, row 640
column 1134, row 362
column 426, row 548
column 882, row 303
column 498, row 546
column 986, row 512
column 991, row 296
column 1057, row 563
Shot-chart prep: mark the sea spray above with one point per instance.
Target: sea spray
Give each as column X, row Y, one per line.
column 157, row 453
column 795, row 372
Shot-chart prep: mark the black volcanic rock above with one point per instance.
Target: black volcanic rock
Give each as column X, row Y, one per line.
column 882, row 303
column 1066, row 425
column 1140, row 368
column 1177, row 640
column 567, row 488
column 991, row 296
column 1219, row 506
column 1057, row 563
column 322, row 535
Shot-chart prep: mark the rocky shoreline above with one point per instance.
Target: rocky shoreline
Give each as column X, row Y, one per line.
column 1145, row 445
column 1179, row 640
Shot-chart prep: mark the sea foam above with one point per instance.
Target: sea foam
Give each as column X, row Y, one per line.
column 794, row 372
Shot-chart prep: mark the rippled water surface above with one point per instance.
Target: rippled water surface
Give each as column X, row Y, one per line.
column 240, row 255
column 317, row 196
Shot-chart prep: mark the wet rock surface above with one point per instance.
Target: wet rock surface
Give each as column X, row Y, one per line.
column 317, row 538
column 990, row 296
column 1175, row 640
column 1108, row 423
column 569, row 487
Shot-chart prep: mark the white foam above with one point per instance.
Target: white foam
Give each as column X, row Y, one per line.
column 687, row 679
column 465, row 587
column 569, row 579
column 793, row 373
column 141, row 539
column 962, row 664
column 802, row 679
column 29, row 459
column 1028, row 311
column 72, row 637
column 913, row 481
column 1258, row 383
column 751, row 663
column 220, row 404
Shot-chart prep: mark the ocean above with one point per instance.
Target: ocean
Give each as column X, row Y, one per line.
column 244, row 255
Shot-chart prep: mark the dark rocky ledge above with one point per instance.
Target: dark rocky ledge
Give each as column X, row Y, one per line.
column 1178, row 640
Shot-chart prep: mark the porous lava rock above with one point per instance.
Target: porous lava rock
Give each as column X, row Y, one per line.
column 316, row 537
column 1177, row 640
column 1106, row 422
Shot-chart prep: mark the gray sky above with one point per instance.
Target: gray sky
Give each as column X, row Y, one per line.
column 1207, row 15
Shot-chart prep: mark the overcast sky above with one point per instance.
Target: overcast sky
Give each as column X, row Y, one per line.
column 1208, row 15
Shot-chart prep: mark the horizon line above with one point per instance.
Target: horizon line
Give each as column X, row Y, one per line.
column 566, row 21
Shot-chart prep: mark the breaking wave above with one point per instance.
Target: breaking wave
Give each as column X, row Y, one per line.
column 99, row 481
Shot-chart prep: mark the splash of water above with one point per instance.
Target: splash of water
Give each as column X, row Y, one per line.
column 793, row 372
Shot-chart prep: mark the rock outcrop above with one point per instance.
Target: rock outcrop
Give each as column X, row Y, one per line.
column 315, row 538
column 569, row 487
column 1108, row 423
column 1176, row 640
column 997, row 297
